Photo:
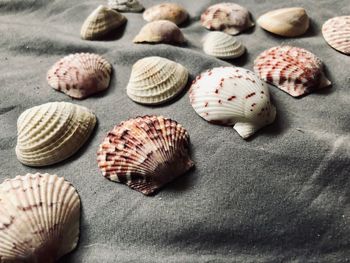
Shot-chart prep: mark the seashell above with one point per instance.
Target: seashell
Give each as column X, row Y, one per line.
column 155, row 80
column 291, row 69
column 287, row 22
column 39, row 218
column 126, row 5
column 222, row 45
column 166, row 11
column 233, row 96
column 160, row 31
column 145, row 153
column 80, row 75
column 100, row 22
column 336, row 31
column 228, row 17
column 52, row 132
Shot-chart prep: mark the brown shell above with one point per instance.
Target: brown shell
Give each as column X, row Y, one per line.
column 166, row 11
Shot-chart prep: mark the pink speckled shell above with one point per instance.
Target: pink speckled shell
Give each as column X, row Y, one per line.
column 336, row 31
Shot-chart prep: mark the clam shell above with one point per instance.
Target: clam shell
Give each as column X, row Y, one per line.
column 222, row 45
column 39, row 218
column 233, row 96
column 100, row 22
column 52, row 132
column 288, row 22
column 145, row 153
column 160, row 31
column 336, row 31
column 228, row 17
column 126, row 5
column 291, row 69
column 166, row 11
column 80, row 75
column 155, row 80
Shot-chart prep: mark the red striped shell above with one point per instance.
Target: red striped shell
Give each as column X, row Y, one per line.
column 291, row 69
column 145, row 153
column 336, row 31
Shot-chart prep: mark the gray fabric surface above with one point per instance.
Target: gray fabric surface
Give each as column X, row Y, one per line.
column 282, row 196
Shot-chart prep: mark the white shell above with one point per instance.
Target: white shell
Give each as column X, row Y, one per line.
column 233, row 96
column 126, row 5
column 222, row 45
column 336, row 31
column 52, row 132
column 166, row 11
column 155, row 80
column 39, row 218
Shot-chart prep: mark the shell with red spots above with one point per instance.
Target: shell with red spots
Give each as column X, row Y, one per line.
column 336, row 31
column 233, row 96
column 228, row 17
column 145, row 153
column 291, row 69
column 80, row 75
column 166, row 11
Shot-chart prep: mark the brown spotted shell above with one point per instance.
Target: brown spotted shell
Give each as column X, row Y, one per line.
column 166, row 11
column 336, row 31
column 145, row 153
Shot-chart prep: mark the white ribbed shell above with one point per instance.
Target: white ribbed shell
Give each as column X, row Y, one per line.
column 336, row 31
column 126, row 5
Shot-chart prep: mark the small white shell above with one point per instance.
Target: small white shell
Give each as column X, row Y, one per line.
column 233, row 96
column 155, row 80
column 166, row 11
column 336, row 31
column 222, row 45
column 126, row 5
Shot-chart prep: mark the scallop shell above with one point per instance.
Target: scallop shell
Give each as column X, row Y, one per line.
column 166, row 11
column 155, row 80
column 228, row 17
column 126, row 5
column 145, row 153
column 160, row 31
column 233, row 96
column 100, row 22
column 39, row 218
column 222, row 45
column 52, row 132
column 80, row 75
column 288, row 22
column 336, row 31
column 291, row 69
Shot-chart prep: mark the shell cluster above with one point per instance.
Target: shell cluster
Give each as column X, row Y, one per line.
column 166, row 11
column 126, row 5
column 336, row 31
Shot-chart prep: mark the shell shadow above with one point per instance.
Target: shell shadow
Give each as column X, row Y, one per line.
column 240, row 61
column 114, row 35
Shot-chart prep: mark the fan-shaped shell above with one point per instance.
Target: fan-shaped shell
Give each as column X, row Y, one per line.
column 100, row 22
column 336, row 31
column 228, row 17
column 222, row 45
column 52, row 132
column 80, row 75
column 292, row 69
column 160, row 31
column 39, row 218
column 155, row 80
column 166, row 11
column 145, row 153
column 126, row 5
column 233, row 96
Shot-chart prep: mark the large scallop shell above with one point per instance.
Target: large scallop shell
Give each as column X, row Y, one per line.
column 160, row 31
column 126, row 5
column 52, row 132
column 100, row 22
column 39, row 218
column 166, row 11
column 80, row 75
column 233, row 96
column 155, row 80
column 336, row 31
column 222, row 45
column 228, row 17
column 292, row 69
column 145, row 153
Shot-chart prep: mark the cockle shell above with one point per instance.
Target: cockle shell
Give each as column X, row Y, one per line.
column 228, row 17
column 292, row 69
column 52, row 132
column 166, row 11
column 288, row 22
column 160, row 31
column 80, row 75
column 145, row 153
column 100, row 22
column 233, row 96
column 126, row 5
column 39, row 218
column 222, row 45
column 155, row 80
column 336, row 31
